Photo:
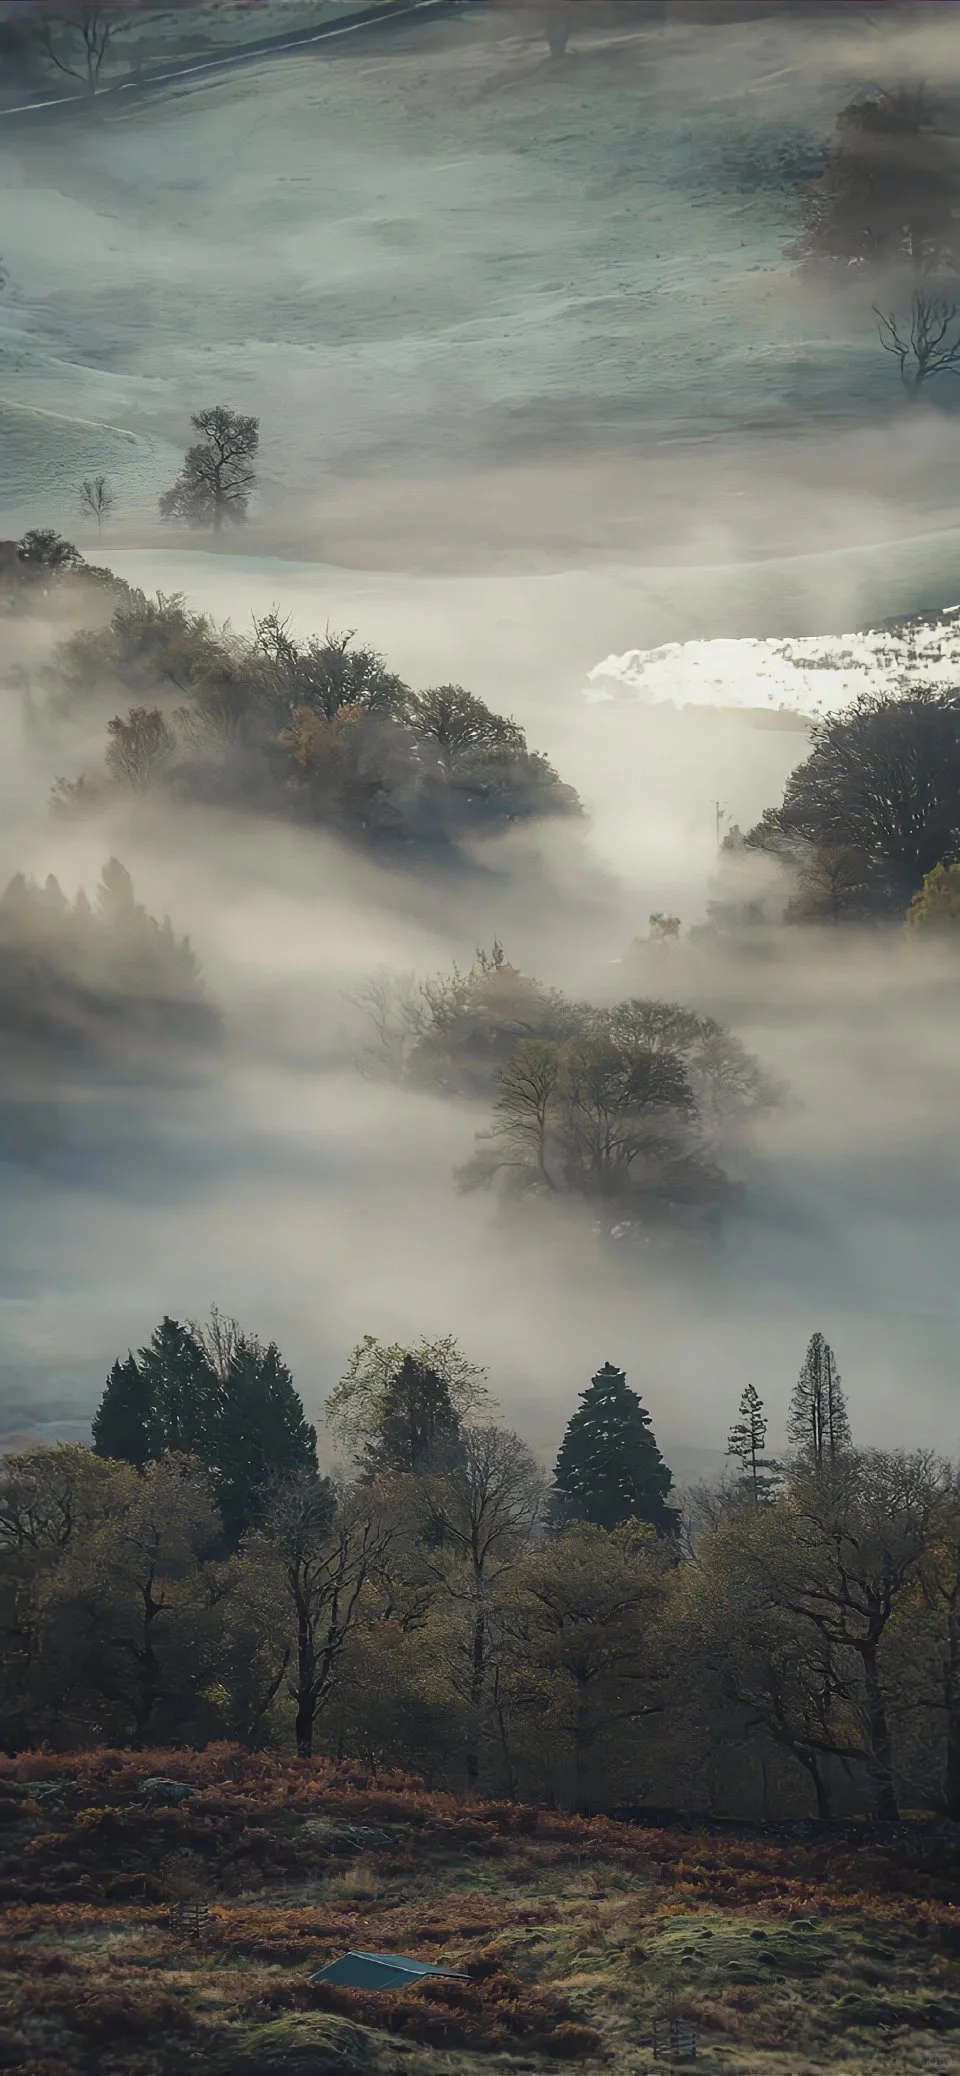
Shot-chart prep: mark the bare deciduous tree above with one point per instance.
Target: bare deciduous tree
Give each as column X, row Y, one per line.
column 140, row 748
column 925, row 344
column 97, row 499
column 77, row 39
column 218, row 474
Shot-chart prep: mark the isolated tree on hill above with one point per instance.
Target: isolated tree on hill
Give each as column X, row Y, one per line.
column 218, row 475
column 97, row 499
column 890, row 188
column 747, row 1441
column 77, row 39
column 926, row 343
column 818, row 1424
column 609, row 1468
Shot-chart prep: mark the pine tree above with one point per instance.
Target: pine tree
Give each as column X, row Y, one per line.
column 163, row 1399
column 747, row 1440
column 218, row 1395
column 418, row 1425
column 185, row 1394
column 263, row 1438
column 609, row 1468
column 818, row 1424
column 123, row 1423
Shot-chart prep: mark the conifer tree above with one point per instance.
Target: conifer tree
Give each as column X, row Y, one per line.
column 263, row 1438
column 419, row 1428
column 609, row 1468
column 161, row 1400
column 747, row 1440
column 818, row 1424
column 216, row 1394
column 123, row 1424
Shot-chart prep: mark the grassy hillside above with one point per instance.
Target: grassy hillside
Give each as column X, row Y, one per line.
column 818, row 1952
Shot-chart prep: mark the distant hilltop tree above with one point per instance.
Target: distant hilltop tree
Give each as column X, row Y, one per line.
column 77, row 39
column 890, row 190
column 217, row 479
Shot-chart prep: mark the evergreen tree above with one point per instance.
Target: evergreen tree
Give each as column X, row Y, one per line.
column 747, row 1440
column 163, row 1399
column 818, row 1424
column 216, row 1394
column 418, row 1425
column 609, row 1468
column 263, row 1438
column 184, row 1393
column 123, row 1425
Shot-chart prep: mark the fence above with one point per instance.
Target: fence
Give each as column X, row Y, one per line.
column 674, row 2040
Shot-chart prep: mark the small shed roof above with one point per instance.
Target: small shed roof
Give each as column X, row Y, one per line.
column 383, row 1971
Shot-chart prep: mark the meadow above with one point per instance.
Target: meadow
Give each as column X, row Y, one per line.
column 818, row 1949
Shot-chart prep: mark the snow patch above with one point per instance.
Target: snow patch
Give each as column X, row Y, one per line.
column 813, row 674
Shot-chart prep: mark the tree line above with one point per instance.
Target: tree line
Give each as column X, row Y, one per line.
column 783, row 1642
column 321, row 731
column 98, row 978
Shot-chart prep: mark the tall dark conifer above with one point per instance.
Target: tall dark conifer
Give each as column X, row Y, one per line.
column 609, row 1468
column 263, row 1435
column 123, row 1424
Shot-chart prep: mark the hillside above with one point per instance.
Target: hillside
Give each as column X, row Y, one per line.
column 818, row 1951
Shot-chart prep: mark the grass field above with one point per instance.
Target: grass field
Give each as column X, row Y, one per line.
column 789, row 1955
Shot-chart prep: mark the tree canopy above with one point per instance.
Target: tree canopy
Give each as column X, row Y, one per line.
column 881, row 785
column 319, row 731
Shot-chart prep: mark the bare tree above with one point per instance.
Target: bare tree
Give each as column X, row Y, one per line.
column 218, row 474
column 483, row 1515
column 77, row 39
column 97, row 499
column 328, row 1548
column 140, row 747
column 925, row 344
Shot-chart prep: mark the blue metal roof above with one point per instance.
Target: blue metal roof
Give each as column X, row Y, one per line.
column 358, row 1970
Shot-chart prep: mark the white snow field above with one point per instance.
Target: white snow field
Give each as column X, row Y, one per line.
column 812, row 675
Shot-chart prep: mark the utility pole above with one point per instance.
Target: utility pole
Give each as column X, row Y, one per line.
column 721, row 815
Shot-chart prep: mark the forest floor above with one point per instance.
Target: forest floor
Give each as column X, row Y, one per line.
column 789, row 1954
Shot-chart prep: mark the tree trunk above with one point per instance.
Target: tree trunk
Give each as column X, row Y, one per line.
column 306, row 1688
column 477, row 1670
column 147, row 1690
column 951, row 1785
column 881, row 1742
column 582, row 1744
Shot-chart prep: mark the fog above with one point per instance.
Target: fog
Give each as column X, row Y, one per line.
column 536, row 387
